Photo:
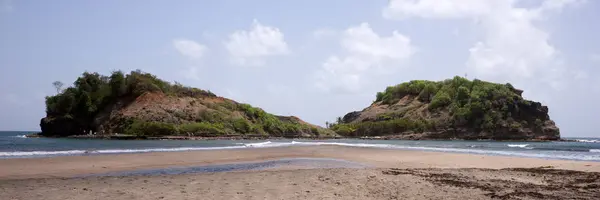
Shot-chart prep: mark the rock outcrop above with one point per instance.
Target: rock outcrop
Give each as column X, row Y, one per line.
column 451, row 109
column 140, row 104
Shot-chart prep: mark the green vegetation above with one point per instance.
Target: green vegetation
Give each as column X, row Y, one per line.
column 377, row 128
column 91, row 94
column 476, row 105
column 213, row 123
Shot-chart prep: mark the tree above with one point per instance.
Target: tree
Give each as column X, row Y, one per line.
column 117, row 83
column 58, row 85
column 339, row 120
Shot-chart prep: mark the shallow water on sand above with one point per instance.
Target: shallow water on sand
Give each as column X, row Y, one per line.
column 288, row 163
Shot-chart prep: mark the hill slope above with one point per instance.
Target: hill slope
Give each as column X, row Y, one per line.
column 451, row 109
column 141, row 104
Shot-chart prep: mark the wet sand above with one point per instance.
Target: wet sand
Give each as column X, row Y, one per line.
column 386, row 174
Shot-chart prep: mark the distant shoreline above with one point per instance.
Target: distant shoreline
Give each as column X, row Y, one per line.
column 262, row 137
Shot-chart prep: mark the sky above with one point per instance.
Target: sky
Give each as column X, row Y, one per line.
column 313, row 59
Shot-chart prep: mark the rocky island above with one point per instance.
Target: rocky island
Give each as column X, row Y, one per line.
column 455, row 108
column 141, row 105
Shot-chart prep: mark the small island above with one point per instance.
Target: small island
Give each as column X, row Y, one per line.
column 455, row 108
column 141, row 106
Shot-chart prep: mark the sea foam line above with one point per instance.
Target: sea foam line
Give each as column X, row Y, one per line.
column 553, row 155
column 588, row 157
column 518, row 145
column 108, row 151
column 588, row 141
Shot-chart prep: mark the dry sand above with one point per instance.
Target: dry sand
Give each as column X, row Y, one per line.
column 392, row 174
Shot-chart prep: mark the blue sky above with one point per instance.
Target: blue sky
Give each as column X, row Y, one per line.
column 313, row 59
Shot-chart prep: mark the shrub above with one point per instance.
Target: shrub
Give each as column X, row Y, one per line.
column 203, row 129
column 476, row 104
column 441, row 99
column 151, row 129
column 343, row 129
column 242, row 125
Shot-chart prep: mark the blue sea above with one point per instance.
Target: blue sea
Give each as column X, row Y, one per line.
column 14, row 144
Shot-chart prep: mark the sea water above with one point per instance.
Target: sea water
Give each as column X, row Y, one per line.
column 296, row 163
column 16, row 145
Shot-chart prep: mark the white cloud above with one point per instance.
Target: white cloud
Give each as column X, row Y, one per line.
column 512, row 46
column 251, row 47
column 190, row 49
column 194, row 52
column 402, row 9
column 364, row 51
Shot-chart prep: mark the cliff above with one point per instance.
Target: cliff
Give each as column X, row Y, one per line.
column 451, row 109
column 141, row 104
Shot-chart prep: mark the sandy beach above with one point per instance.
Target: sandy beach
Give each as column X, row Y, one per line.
column 387, row 174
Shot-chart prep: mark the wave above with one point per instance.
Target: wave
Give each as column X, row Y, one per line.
column 535, row 154
column 518, row 145
column 40, row 153
column 20, row 136
column 588, row 141
column 107, row 151
column 586, row 157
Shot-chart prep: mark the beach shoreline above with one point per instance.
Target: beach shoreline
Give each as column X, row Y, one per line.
column 69, row 166
column 387, row 174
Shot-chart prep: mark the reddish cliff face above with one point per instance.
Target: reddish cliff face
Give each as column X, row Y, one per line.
column 158, row 107
column 140, row 104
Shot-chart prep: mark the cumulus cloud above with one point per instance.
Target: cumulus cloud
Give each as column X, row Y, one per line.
column 363, row 51
column 251, row 47
column 512, row 46
column 402, row 9
column 192, row 51
column 190, row 48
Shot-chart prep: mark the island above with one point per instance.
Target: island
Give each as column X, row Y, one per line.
column 455, row 108
column 140, row 105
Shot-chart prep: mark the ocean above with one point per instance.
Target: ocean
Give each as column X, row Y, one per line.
column 14, row 144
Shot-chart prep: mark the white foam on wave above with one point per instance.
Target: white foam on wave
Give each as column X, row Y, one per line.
column 259, row 144
column 108, row 151
column 553, row 155
column 20, row 136
column 518, row 145
column 586, row 157
column 40, row 153
column 588, row 141
column 535, row 154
